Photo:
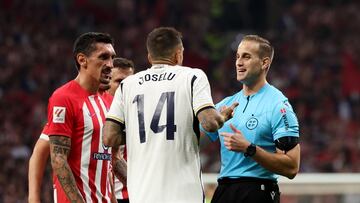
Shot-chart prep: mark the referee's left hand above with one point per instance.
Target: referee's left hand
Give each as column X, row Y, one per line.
column 235, row 141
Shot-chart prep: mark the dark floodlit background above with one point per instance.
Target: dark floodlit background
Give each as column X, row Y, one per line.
column 317, row 52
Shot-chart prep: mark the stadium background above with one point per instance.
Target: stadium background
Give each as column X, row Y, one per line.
column 316, row 65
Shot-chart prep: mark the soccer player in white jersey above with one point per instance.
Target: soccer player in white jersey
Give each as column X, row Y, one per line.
column 160, row 109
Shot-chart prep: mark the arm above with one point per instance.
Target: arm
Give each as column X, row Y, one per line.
column 37, row 165
column 211, row 120
column 119, row 165
column 59, row 152
column 113, row 133
column 286, row 164
column 112, row 187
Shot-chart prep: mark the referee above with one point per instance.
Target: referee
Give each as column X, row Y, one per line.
column 261, row 140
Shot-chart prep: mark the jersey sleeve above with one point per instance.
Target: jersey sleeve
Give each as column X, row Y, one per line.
column 201, row 92
column 117, row 106
column 284, row 121
column 60, row 116
column 44, row 133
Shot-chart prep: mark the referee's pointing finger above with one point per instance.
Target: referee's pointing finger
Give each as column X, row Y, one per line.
column 234, row 129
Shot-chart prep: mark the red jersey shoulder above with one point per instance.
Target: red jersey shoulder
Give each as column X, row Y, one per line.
column 70, row 90
column 68, row 94
column 66, row 102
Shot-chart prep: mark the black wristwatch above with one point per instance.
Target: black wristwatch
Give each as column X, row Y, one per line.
column 250, row 150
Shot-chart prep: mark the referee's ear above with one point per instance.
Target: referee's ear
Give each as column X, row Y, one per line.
column 266, row 61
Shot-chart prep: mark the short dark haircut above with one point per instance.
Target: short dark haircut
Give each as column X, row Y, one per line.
column 265, row 48
column 85, row 43
column 162, row 42
column 123, row 63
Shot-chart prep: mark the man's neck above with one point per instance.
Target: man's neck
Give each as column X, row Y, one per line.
column 163, row 61
column 253, row 88
column 87, row 83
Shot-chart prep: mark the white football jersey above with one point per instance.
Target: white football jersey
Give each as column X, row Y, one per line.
column 158, row 107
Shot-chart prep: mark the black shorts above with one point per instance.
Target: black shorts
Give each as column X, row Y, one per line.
column 246, row 190
column 123, row 200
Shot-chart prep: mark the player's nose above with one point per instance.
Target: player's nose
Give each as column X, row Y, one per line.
column 109, row 63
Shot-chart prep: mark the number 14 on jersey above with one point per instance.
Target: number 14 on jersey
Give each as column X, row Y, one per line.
column 170, row 127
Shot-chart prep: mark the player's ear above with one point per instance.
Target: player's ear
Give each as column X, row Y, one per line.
column 179, row 56
column 266, row 63
column 81, row 59
column 149, row 58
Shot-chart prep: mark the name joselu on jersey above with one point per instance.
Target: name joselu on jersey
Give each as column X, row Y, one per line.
column 156, row 77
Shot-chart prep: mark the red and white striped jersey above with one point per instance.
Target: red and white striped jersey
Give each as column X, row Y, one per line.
column 75, row 113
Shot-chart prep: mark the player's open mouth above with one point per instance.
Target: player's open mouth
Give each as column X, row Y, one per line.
column 106, row 73
column 105, row 77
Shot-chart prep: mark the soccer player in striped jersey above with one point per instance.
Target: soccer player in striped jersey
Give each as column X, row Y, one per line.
column 40, row 155
column 160, row 109
column 122, row 68
column 76, row 114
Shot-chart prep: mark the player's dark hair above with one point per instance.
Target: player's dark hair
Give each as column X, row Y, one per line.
column 265, row 48
column 123, row 63
column 162, row 42
column 85, row 43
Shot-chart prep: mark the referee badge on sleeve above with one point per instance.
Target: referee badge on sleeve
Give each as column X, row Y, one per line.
column 59, row 114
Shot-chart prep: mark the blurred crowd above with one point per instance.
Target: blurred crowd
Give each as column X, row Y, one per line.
column 316, row 50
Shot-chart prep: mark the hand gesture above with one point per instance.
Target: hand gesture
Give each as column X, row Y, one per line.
column 235, row 141
column 228, row 112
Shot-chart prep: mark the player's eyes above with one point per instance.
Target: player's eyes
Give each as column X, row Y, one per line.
column 104, row 56
column 246, row 56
